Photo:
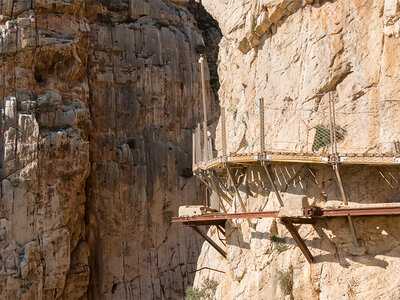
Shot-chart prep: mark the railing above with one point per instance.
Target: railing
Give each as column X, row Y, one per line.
column 323, row 128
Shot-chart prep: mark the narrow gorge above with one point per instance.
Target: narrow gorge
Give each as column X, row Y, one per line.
column 101, row 104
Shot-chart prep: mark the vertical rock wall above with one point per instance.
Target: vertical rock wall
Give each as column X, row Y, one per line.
column 145, row 91
column 98, row 102
column 291, row 53
column 45, row 149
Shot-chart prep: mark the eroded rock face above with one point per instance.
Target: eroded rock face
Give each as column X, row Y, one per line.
column 99, row 99
column 144, row 79
column 291, row 53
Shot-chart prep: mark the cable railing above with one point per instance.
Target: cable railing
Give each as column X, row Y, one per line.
column 325, row 128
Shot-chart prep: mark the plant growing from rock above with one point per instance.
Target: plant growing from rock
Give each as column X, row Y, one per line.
column 14, row 181
column 279, row 243
column 206, row 292
column 285, row 278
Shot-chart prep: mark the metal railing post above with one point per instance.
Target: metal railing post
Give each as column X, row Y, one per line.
column 203, row 85
column 262, row 140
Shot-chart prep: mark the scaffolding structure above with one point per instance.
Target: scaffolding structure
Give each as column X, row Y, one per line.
column 328, row 134
column 310, row 133
column 324, row 131
column 310, row 216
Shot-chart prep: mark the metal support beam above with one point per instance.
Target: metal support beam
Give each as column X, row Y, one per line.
column 346, row 202
column 299, row 241
column 211, row 186
column 220, row 216
column 299, row 220
column 203, row 179
column 384, row 209
column 198, row 153
column 223, row 132
column 238, row 195
column 272, row 183
column 332, row 124
column 203, row 85
column 209, row 240
column 217, row 186
column 261, row 114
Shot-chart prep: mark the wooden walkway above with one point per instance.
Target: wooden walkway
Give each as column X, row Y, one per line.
column 254, row 158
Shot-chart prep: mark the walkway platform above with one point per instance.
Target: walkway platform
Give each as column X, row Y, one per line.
column 255, row 158
column 310, row 216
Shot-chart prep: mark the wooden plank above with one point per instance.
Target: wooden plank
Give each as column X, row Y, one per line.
column 221, row 216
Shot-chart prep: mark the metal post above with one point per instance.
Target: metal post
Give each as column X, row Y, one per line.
column 238, row 195
column 207, row 200
column 262, row 141
column 331, row 127
column 198, row 144
column 346, row 202
column 216, row 184
column 335, row 166
column 334, row 123
column 194, row 159
column 223, row 129
column 272, row 183
column 203, row 85
column 210, row 188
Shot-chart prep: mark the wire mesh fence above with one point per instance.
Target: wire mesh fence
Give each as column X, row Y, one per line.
column 323, row 128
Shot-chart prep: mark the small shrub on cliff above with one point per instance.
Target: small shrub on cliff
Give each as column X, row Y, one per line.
column 279, row 243
column 285, row 278
column 207, row 291
column 14, row 181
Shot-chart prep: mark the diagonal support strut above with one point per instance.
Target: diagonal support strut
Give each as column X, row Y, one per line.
column 238, row 195
column 346, row 202
column 209, row 240
column 299, row 241
column 272, row 183
column 332, row 130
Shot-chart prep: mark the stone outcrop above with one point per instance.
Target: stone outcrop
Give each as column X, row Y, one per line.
column 99, row 99
column 291, row 53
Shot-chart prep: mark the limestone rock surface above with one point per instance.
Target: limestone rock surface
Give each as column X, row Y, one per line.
column 291, row 54
column 98, row 102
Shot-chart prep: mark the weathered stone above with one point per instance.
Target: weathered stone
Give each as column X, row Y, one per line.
column 312, row 48
column 99, row 102
column 244, row 45
column 263, row 24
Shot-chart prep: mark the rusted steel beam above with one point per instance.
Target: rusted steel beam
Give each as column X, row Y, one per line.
column 205, row 223
column 309, row 214
column 299, row 241
column 354, row 212
column 221, row 216
column 209, row 240
column 344, row 197
column 299, row 220
column 199, row 221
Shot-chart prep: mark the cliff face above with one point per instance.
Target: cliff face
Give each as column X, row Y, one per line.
column 145, row 88
column 301, row 51
column 99, row 99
